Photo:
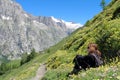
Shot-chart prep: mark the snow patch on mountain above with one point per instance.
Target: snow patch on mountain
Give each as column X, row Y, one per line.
column 26, row 15
column 72, row 25
column 11, row 1
column 69, row 25
column 35, row 21
column 54, row 19
column 6, row 17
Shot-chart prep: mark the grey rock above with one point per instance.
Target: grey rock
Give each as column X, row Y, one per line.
column 20, row 32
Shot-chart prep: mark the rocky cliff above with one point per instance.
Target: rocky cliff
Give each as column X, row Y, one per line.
column 20, row 32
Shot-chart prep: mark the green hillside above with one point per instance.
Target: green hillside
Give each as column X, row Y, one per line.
column 28, row 70
column 103, row 29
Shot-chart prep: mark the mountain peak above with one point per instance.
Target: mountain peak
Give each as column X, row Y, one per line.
column 69, row 25
column 54, row 19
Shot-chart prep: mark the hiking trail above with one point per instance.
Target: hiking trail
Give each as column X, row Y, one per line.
column 40, row 72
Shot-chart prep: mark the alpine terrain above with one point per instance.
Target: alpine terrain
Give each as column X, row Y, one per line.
column 21, row 32
column 57, row 61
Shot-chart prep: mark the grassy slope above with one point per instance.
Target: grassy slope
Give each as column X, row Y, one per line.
column 101, row 29
column 28, row 70
column 104, row 30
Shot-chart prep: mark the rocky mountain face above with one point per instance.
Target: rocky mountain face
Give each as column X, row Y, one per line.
column 20, row 32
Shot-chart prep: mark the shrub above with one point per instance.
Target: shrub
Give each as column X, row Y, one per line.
column 26, row 58
column 32, row 55
column 4, row 67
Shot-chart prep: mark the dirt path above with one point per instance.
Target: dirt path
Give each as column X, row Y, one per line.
column 40, row 72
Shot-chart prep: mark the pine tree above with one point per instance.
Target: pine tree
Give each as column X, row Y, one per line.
column 102, row 4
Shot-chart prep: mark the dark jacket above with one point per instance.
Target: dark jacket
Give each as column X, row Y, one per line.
column 87, row 61
column 98, row 60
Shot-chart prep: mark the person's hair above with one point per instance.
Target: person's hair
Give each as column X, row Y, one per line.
column 93, row 48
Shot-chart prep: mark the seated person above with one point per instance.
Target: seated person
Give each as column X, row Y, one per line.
column 93, row 59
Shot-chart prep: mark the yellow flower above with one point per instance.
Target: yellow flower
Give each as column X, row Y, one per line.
column 118, row 77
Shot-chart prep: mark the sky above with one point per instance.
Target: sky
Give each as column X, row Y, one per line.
column 78, row 11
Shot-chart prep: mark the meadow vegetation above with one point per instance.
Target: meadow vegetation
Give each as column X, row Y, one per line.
column 103, row 29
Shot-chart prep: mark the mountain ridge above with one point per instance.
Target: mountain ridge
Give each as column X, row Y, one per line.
column 20, row 32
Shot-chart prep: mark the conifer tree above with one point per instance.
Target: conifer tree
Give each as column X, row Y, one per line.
column 102, row 4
